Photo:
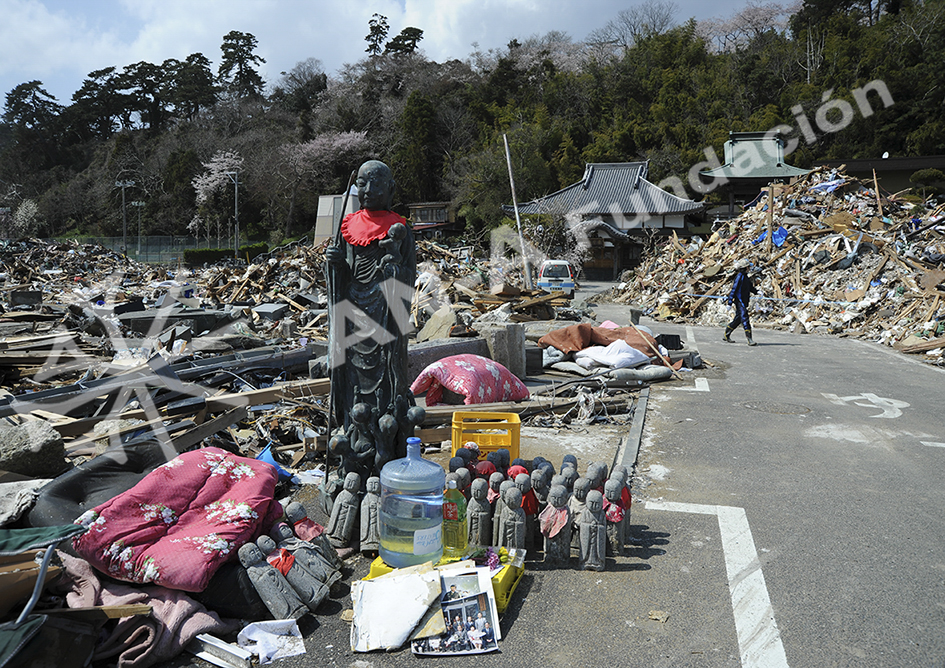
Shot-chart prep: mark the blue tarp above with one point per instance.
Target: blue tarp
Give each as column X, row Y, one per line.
column 777, row 237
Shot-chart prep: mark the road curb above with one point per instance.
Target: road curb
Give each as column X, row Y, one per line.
column 630, row 445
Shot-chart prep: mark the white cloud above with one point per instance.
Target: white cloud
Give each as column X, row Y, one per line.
column 60, row 41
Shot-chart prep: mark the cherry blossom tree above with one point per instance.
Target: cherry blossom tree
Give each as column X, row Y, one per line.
column 214, row 188
column 317, row 162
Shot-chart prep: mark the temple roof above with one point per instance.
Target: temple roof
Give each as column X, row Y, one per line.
column 754, row 155
column 610, row 188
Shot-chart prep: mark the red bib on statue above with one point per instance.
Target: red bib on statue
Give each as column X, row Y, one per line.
column 362, row 227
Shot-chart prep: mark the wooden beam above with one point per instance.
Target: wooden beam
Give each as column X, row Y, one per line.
column 101, row 612
column 192, row 437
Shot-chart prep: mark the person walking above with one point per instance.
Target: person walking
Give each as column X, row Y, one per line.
column 739, row 296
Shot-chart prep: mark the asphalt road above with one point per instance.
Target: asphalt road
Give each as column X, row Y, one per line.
column 787, row 512
column 831, row 451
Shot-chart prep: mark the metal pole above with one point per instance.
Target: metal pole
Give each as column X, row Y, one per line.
column 236, row 215
column 124, row 215
column 235, row 178
column 518, row 220
column 124, row 222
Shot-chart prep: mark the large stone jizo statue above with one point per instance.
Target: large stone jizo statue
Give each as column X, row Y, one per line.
column 372, row 267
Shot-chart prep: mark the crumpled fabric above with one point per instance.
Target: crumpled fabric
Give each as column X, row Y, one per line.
column 552, row 520
column 485, row 469
column 530, row 502
column 617, row 355
column 273, row 639
column 614, row 511
column 516, row 470
column 281, row 559
column 307, row 529
column 142, row 640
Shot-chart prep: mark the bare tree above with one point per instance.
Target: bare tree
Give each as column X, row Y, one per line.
column 746, row 25
column 653, row 17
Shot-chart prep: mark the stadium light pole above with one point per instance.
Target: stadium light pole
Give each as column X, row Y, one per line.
column 138, row 204
column 124, row 216
column 235, row 178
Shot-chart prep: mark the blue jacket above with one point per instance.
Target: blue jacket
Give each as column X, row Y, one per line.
column 742, row 289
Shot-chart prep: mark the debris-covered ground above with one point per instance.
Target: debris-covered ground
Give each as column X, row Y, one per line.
column 838, row 260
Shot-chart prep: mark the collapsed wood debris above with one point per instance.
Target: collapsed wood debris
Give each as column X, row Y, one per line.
column 829, row 255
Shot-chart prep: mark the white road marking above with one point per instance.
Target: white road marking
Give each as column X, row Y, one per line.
column 932, row 444
column 759, row 640
column 690, row 338
column 891, row 407
column 702, row 385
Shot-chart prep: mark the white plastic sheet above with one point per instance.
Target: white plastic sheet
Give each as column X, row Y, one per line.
column 275, row 639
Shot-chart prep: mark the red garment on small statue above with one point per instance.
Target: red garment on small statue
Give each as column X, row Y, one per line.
column 306, row 529
column 491, row 495
column 362, row 227
column 485, row 469
column 552, row 520
column 614, row 511
column 625, row 497
column 530, row 502
column 281, row 559
column 518, row 469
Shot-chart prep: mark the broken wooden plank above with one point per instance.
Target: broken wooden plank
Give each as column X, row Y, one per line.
column 101, row 612
column 192, row 437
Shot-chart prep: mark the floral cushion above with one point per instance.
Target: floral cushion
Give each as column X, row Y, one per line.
column 478, row 379
column 182, row 521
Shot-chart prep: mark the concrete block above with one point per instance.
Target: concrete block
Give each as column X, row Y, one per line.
column 26, row 297
column 271, row 311
column 439, row 324
column 506, row 345
column 33, row 449
column 691, row 359
column 533, row 359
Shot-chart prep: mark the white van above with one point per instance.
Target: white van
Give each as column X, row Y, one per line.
column 556, row 276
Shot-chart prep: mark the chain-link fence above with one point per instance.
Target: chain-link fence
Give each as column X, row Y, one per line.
column 155, row 249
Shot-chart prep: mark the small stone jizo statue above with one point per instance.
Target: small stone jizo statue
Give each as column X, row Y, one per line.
column 555, row 524
column 344, row 513
column 310, row 589
column 512, row 520
column 593, row 536
column 274, row 590
column 615, row 514
column 370, row 517
column 479, row 515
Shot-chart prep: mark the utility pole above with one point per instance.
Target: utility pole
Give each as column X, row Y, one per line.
column 518, row 220
column 124, row 217
column 138, row 204
column 235, row 178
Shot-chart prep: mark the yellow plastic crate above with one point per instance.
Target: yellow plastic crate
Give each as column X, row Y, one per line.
column 503, row 583
column 490, row 431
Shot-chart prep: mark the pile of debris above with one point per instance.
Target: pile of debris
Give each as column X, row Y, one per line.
column 830, row 254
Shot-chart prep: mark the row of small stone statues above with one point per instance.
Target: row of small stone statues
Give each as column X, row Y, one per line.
column 544, row 511
column 295, row 568
column 508, row 506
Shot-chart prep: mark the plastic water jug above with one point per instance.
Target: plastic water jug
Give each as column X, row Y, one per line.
column 411, row 517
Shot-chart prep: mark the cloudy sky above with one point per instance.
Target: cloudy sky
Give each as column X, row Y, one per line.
column 60, row 41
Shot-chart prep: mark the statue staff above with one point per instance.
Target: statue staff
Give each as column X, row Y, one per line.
column 333, row 298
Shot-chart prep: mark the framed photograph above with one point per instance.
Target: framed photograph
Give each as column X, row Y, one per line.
column 470, row 613
column 470, row 629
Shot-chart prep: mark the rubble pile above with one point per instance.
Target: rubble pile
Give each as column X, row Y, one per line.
column 829, row 255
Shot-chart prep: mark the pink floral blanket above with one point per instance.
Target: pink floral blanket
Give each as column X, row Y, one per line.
column 478, row 379
column 182, row 521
